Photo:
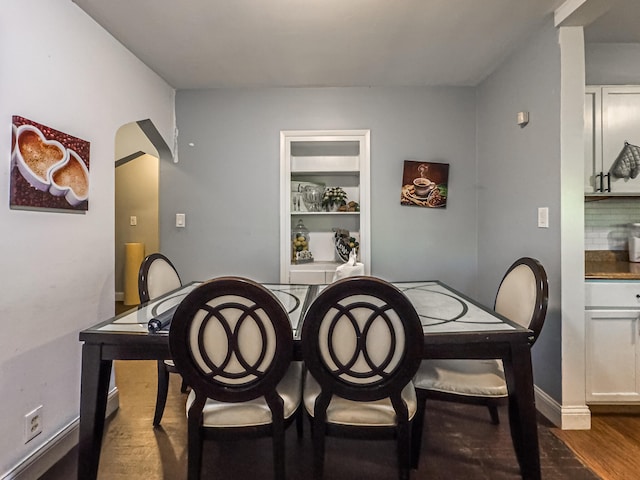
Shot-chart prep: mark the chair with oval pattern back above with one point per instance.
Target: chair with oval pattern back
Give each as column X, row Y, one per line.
column 362, row 343
column 522, row 298
column 156, row 277
column 232, row 341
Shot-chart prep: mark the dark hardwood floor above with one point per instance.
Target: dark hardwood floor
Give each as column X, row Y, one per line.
column 459, row 443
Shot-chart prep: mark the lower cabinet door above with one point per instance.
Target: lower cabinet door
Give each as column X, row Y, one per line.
column 612, row 356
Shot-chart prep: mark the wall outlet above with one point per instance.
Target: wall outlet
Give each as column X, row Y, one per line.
column 32, row 424
column 133, row 220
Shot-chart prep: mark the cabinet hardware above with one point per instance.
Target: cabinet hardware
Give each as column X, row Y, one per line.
column 600, row 177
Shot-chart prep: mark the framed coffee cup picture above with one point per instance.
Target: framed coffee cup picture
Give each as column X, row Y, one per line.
column 424, row 184
column 49, row 168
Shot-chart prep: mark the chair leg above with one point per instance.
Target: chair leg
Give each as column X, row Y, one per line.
column 301, row 413
column 417, row 428
column 318, row 432
column 300, row 421
column 194, row 452
column 405, row 453
column 493, row 412
column 163, row 388
column 183, row 387
column 278, row 449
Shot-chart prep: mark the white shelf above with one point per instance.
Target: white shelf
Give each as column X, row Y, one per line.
column 315, row 266
column 323, row 173
column 293, row 212
column 333, row 163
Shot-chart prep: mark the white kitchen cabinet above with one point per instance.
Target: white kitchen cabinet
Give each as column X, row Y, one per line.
column 612, row 117
column 593, row 140
column 612, row 318
column 334, row 158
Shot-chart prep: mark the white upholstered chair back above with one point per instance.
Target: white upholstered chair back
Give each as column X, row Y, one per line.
column 523, row 294
column 157, row 276
column 231, row 339
column 162, row 278
column 517, row 295
column 362, row 339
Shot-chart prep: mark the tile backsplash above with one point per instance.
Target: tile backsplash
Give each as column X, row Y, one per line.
column 606, row 222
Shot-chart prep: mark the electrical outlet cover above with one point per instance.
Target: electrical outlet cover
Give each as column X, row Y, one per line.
column 32, row 424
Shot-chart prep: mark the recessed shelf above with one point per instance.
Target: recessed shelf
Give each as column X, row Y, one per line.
column 330, row 158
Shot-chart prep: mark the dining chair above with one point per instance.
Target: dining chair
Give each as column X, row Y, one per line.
column 522, row 298
column 156, row 277
column 362, row 344
column 232, row 341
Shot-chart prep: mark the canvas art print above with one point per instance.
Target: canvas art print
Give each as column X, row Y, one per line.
column 49, row 168
column 425, row 184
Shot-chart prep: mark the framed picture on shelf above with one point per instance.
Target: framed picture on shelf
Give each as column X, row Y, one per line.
column 425, row 184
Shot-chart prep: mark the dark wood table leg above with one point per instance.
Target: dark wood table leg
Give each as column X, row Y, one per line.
column 94, row 389
column 522, row 410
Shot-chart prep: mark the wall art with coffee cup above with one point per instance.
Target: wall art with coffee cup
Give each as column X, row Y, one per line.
column 49, row 168
column 424, row 184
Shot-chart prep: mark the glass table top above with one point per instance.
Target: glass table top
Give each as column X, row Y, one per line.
column 440, row 308
column 293, row 298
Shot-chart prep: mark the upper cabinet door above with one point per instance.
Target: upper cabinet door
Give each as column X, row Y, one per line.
column 620, row 124
column 592, row 139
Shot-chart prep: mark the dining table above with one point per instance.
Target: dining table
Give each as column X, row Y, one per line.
column 454, row 326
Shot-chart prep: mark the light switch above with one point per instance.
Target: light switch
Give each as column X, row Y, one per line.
column 543, row 217
column 133, row 220
column 180, row 220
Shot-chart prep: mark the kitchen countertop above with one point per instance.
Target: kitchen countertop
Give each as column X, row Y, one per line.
column 609, row 265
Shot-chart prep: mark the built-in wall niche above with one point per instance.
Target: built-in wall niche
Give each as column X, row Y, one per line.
column 323, row 159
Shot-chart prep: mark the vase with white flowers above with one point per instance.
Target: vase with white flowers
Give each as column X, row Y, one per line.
column 334, row 198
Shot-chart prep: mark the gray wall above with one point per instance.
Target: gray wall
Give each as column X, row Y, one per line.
column 612, row 63
column 227, row 183
column 519, row 171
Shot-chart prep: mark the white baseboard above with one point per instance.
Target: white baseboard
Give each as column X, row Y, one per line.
column 576, row 418
column 47, row 455
column 119, row 296
column 547, row 406
column 567, row 418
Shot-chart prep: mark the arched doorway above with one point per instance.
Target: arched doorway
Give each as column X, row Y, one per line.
column 139, row 148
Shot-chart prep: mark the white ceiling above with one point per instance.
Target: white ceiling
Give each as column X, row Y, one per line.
column 301, row 43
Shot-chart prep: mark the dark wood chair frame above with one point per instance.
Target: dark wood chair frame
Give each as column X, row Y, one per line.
column 205, row 386
column 163, row 368
column 391, row 384
column 492, row 403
